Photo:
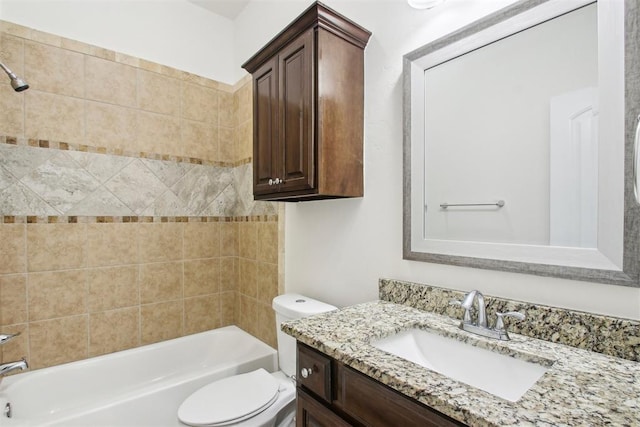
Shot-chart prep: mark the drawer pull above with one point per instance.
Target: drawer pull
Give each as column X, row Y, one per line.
column 306, row 372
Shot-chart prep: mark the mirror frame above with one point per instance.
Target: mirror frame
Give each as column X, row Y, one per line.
column 630, row 273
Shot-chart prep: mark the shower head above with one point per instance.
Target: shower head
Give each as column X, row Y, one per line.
column 16, row 82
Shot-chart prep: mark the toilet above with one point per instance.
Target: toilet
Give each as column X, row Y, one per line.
column 257, row 398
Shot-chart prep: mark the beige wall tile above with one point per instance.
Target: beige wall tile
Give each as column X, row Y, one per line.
column 201, row 313
column 54, row 117
column 244, row 97
column 201, row 277
column 161, row 282
column 19, row 346
column 248, row 314
column 55, row 70
column 244, row 141
column 113, row 287
column 226, row 117
column 109, row 81
column 199, row 103
column 229, row 239
column 160, row 242
column 110, row 126
column 227, row 145
column 159, row 133
column 247, row 282
column 114, row 331
column 267, row 282
column 248, row 239
column 111, row 244
column 58, row 341
column 11, row 102
column 57, row 294
column 201, row 240
column 162, row 321
column 229, row 271
column 12, row 107
column 266, row 328
column 12, row 248
column 12, row 53
column 267, row 242
column 158, row 93
column 13, row 299
column 198, row 140
column 56, row 246
column 228, row 307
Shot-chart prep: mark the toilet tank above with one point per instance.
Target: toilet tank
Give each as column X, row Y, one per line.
column 290, row 307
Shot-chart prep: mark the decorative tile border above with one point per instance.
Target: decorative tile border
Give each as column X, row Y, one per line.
column 67, row 146
column 602, row 334
column 9, row 219
column 54, row 179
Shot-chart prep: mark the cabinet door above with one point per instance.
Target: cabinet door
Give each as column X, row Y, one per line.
column 265, row 129
column 296, row 76
column 311, row 413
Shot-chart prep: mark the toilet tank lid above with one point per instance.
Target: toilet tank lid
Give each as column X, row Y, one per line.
column 295, row 306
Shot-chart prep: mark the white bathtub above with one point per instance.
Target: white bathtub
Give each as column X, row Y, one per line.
column 138, row 387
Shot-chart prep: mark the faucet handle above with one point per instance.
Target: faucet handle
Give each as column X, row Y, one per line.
column 501, row 316
column 7, row 337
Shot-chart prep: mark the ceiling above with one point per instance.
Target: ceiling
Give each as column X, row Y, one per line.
column 227, row 8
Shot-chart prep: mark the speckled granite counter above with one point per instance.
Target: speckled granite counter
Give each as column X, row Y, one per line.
column 581, row 388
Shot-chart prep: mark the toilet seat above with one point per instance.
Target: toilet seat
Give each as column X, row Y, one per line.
column 230, row 400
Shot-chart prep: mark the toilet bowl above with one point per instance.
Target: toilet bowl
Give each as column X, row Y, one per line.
column 257, row 398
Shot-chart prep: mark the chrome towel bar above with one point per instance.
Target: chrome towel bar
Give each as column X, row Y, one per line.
column 499, row 204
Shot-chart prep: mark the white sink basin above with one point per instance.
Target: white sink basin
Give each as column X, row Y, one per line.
column 498, row 374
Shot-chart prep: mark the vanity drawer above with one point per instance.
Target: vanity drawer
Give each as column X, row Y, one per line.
column 314, row 372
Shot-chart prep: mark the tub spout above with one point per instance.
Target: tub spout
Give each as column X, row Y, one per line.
column 12, row 366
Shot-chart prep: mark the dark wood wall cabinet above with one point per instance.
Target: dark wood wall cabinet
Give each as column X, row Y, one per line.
column 331, row 394
column 308, row 109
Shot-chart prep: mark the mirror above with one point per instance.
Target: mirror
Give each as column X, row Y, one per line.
column 515, row 150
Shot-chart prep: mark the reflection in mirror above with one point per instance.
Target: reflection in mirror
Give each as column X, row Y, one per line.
column 515, row 120
column 527, row 108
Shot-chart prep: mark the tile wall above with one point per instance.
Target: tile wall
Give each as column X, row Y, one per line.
column 80, row 277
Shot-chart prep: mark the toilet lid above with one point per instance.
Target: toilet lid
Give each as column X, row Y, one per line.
column 230, row 399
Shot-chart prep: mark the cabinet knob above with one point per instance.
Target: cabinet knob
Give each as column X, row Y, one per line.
column 270, row 181
column 306, row 372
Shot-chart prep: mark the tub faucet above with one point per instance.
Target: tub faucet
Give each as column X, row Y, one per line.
column 5, row 368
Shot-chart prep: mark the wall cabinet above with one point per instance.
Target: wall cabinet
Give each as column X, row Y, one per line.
column 331, row 394
column 308, row 109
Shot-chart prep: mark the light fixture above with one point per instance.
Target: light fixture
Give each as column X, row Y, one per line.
column 424, row 4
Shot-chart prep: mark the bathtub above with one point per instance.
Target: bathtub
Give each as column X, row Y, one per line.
column 138, row 387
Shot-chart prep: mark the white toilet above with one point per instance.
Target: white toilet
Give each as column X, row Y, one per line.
column 257, row 398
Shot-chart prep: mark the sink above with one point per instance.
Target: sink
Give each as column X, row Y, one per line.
column 501, row 375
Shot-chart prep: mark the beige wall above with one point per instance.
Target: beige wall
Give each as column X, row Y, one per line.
column 77, row 287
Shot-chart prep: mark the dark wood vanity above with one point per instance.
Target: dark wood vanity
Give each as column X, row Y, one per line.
column 331, row 394
column 308, row 109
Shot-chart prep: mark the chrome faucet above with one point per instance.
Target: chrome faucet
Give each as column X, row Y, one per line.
column 5, row 368
column 4, row 338
column 480, row 326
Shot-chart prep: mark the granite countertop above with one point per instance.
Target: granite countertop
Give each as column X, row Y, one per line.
column 580, row 388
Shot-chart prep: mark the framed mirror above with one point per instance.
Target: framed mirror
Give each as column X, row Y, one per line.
column 519, row 143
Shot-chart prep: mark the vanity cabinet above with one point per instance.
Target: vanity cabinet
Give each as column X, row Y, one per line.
column 333, row 394
column 308, row 109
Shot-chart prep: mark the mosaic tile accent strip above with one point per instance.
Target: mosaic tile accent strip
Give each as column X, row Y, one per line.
column 9, row 219
column 46, row 182
column 602, row 334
